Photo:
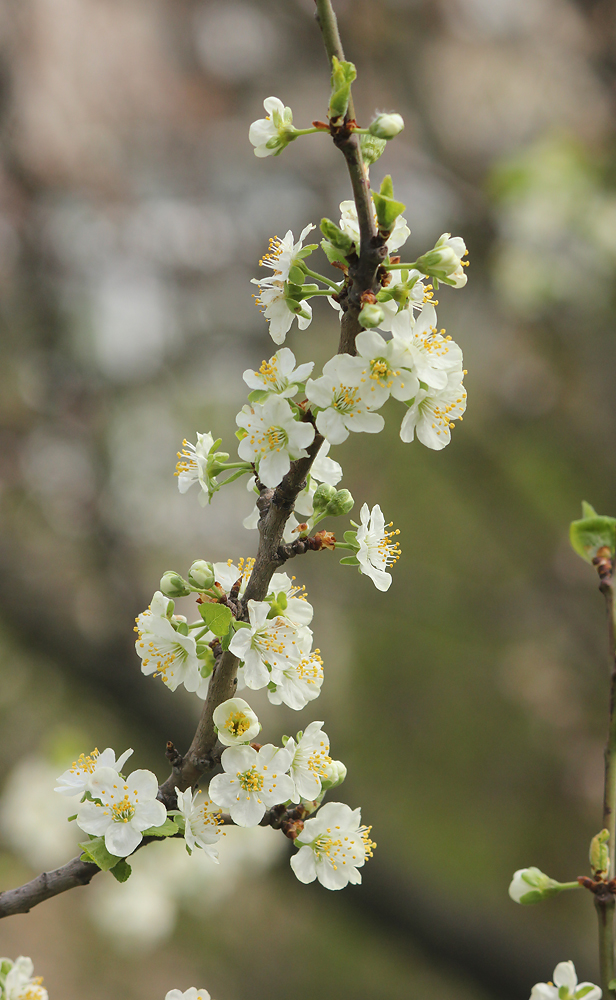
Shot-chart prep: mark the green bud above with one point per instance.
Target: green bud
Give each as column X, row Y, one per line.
column 323, row 496
column 387, row 208
column 371, row 315
column 342, row 503
column 343, row 74
column 340, row 240
column 335, row 773
column 599, row 854
column 173, row 585
column 201, row 575
column 386, row 126
column 206, row 655
column 371, row 148
column 591, row 533
column 530, row 885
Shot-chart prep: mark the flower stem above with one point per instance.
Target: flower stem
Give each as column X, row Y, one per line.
column 400, row 267
column 320, row 277
column 605, row 904
column 307, row 131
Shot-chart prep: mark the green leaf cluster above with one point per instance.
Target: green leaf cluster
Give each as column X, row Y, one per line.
column 592, row 532
column 343, row 74
column 387, row 208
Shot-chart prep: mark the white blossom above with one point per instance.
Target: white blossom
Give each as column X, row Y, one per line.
column 280, row 309
column 253, row 782
column 432, row 356
column 565, row 986
column 310, row 757
column 279, row 375
column 75, row 780
column 19, row 983
column 270, row 135
column 323, row 470
column 226, row 574
column 332, row 847
column 197, row 463
column 290, row 598
column 274, row 438
column 349, row 225
column 269, row 643
column 397, row 312
column 201, row 821
column 165, row 651
column 376, row 551
column 433, row 411
column 284, row 254
column 191, row 994
column 125, row 809
column 339, row 395
column 450, row 250
column 298, row 684
column 386, row 369
column 236, row 722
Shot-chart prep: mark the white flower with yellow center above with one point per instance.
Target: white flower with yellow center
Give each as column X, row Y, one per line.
column 191, row 994
column 75, row 780
column 332, row 847
column 198, row 464
column 432, row 355
column 166, row 652
column 125, row 808
column 284, row 254
column 386, row 369
column 253, row 782
column 416, row 295
column 279, row 375
column 376, row 550
column 280, row 309
column 349, row 225
column 272, row 643
column 201, row 821
column 236, row 722
column 339, row 394
column 298, row 684
column 433, row 412
column 289, row 599
column 310, row 757
column 445, row 260
column 565, row 986
column 270, row 135
column 19, row 983
column 274, row 438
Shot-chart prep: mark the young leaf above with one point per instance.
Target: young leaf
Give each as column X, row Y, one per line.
column 592, row 533
column 217, row 617
column 167, row 829
column 122, row 871
column 95, row 851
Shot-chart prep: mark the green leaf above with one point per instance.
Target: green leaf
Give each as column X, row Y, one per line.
column 590, row 534
column 612, row 984
column 336, row 236
column 387, row 211
column 588, row 510
column 257, row 395
column 95, row 851
column 343, row 74
column 167, row 829
column 349, row 561
column 217, row 617
column 333, row 255
column 122, row 871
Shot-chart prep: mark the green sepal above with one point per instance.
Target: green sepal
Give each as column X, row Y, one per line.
column 241, row 433
column 334, row 256
column 257, row 395
column 591, row 533
column 180, row 822
column 217, row 617
column 182, row 628
column 208, row 658
column 122, row 871
column 343, row 74
column 235, row 625
column 271, row 686
column 349, row 561
column 538, row 895
column 579, row 993
column 166, row 829
column 307, row 250
column 95, row 852
column 612, row 984
column 387, row 208
column 226, row 640
column 351, row 538
column 296, row 275
column 71, row 818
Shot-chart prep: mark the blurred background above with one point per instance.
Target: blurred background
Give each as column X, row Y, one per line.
column 469, row 703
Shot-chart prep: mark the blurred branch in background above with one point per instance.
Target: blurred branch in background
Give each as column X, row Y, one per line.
column 126, row 223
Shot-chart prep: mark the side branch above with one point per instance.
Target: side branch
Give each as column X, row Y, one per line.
column 46, row 885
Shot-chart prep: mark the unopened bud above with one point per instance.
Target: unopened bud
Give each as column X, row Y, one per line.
column 386, row 126
column 342, row 503
column 335, row 773
column 201, row 575
column 323, row 496
column 530, row 885
column 173, row 585
column 371, row 148
column 371, row 315
column 599, row 854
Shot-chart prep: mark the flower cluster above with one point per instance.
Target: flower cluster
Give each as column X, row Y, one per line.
column 17, row 981
column 565, row 986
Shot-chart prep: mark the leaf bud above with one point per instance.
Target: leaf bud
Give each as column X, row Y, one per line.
column 371, row 148
column 530, row 885
column 323, row 496
column 343, row 74
column 592, row 533
column 340, row 240
column 599, row 854
column 201, row 575
column 371, row 315
column 387, row 208
column 173, row 585
column 341, row 503
column 386, row 126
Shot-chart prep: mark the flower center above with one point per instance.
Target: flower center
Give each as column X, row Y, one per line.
column 87, row 764
column 346, row 398
column 123, row 811
column 251, row 780
column 380, row 371
column 269, row 373
column 188, row 460
column 237, row 724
